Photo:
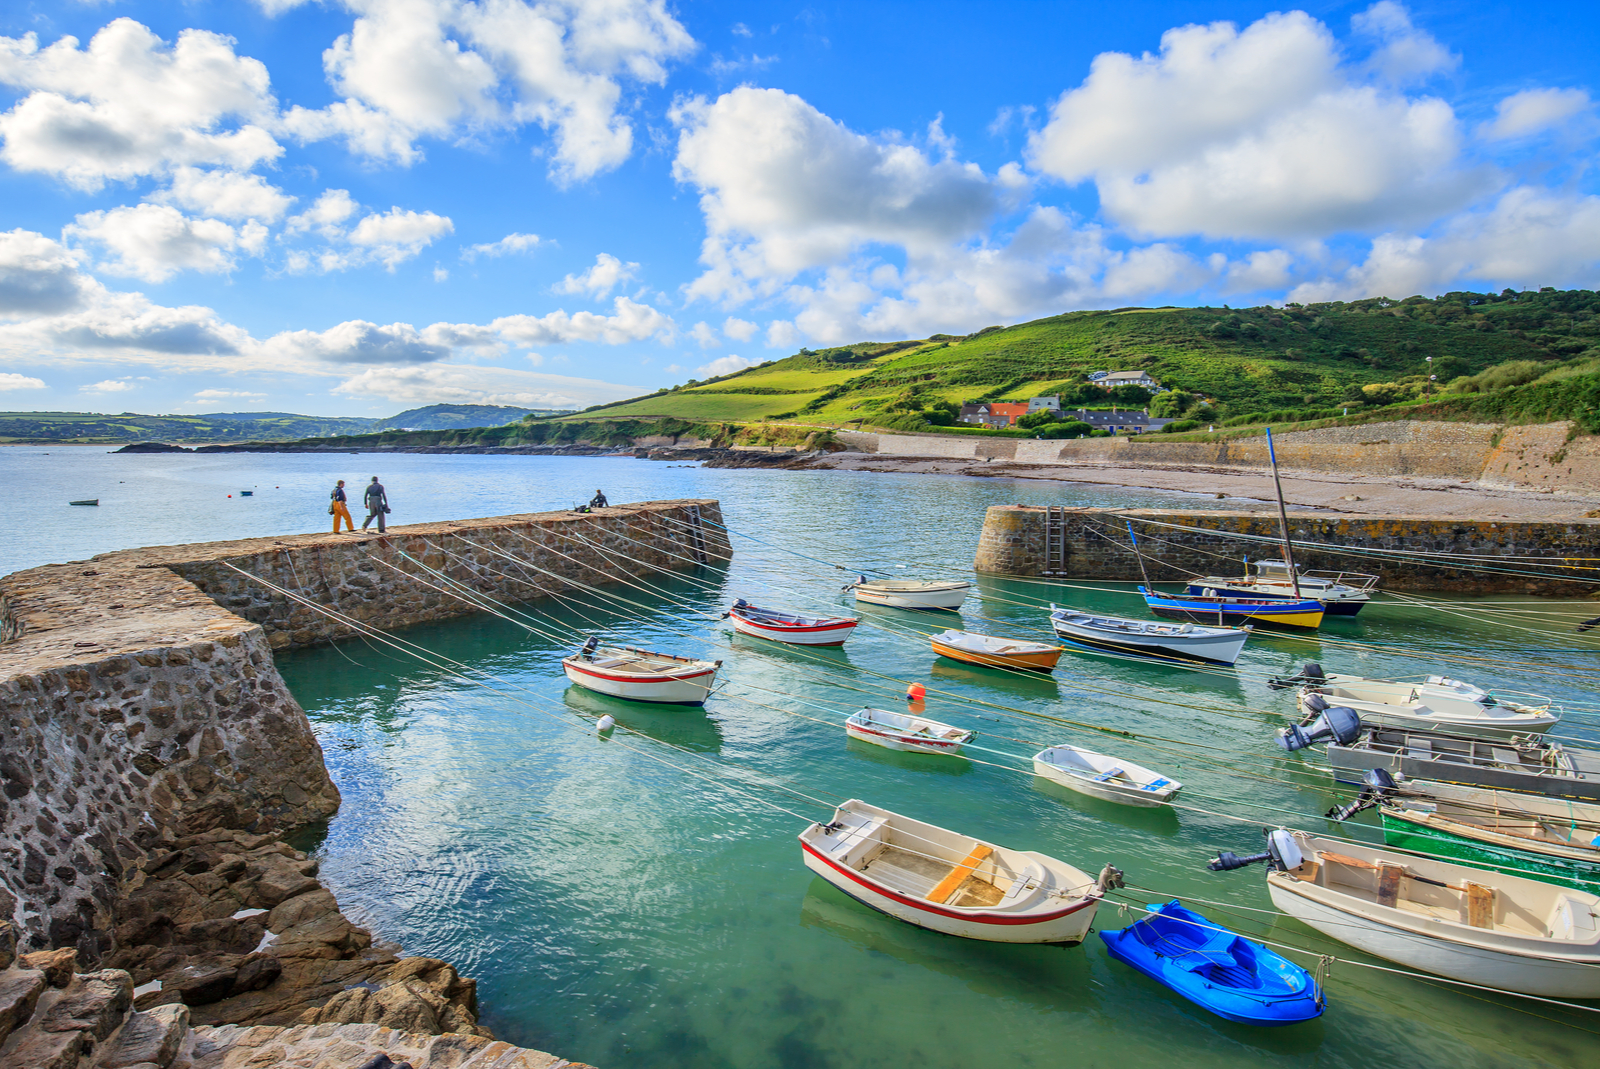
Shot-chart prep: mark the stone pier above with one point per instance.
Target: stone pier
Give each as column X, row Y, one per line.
column 151, row 757
column 1092, row 543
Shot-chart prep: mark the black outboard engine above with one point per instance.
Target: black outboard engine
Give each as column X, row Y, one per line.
column 1311, row 674
column 589, row 646
column 1340, row 724
column 1282, row 853
column 1376, row 784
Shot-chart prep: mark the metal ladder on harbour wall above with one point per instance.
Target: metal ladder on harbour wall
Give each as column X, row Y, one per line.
column 697, row 535
column 1055, row 540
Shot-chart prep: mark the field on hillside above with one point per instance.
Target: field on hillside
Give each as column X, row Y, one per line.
column 1245, row 360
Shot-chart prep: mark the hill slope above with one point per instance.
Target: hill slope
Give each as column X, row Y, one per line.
column 449, row 417
column 1246, row 360
column 96, row 427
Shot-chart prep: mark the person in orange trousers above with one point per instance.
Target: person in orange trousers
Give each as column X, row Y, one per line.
column 341, row 509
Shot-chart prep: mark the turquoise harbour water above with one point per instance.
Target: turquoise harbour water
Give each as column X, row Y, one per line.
column 640, row 901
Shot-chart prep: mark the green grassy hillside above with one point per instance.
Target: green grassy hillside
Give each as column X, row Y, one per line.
column 1245, row 360
column 98, row 428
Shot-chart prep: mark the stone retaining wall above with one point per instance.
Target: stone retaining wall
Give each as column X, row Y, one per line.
column 1542, row 456
column 1096, row 546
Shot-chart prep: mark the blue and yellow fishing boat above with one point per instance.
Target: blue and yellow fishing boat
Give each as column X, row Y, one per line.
column 1222, row 611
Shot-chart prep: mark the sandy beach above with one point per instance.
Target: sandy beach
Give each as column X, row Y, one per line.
column 1362, row 495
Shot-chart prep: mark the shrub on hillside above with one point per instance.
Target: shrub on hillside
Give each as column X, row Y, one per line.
column 1181, row 425
column 1070, row 429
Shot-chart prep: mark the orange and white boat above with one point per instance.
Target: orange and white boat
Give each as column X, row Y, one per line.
column 952, row 883
column 640, row 675
column 995, row 652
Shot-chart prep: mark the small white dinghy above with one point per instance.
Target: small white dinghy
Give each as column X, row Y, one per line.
column 1481, row 927
column 898, row 731
column 1437, row 704
column 1102, row 776
column 994, row 652
column 640, row 675
column 788, row 627
column 952, row 883
column 1148, row 638
column 912, row 593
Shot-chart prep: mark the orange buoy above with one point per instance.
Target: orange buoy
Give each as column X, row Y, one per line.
column 916, row 692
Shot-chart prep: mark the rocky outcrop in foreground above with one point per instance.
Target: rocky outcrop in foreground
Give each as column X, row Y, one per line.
column 54, row 1017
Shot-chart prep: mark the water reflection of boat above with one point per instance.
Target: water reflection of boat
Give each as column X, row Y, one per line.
column 1015, row 972
column 690, row 730
column 828, row 656
column 1028, row 685
column 914, row 762
column 1152, row 820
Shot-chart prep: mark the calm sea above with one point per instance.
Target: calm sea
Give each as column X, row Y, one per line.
column 642, row 902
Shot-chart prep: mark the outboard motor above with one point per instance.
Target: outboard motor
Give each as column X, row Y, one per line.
column 1311, row 674
column 1282, row 853
column 1340, row 724
column 589, row 646
column 1376, row 784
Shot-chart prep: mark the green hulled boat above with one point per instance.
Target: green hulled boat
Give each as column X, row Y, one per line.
column 1541, row 838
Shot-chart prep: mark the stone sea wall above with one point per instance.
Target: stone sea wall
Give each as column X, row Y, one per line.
column 151, row 757
column 1095, row 546
column 1540, row 457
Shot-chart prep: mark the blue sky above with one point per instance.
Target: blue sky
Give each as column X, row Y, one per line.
column 358, row 206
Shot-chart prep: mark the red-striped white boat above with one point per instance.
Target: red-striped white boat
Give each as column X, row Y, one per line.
column 952, row 883
column 790, row 627
column 640, row 675
column 898, row 731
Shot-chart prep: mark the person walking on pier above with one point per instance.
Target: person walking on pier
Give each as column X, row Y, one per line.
column 377, row 502
column 339, row 509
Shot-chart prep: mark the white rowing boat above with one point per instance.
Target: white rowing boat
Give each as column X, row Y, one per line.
column 898, row 731
column 952, row 883
column 1101, row 776
column 1468, row 924
column 1148, row 638
column 640, row 675
column 993, row 652
column 1436, row 704
column 912, row 593
column 790, row 627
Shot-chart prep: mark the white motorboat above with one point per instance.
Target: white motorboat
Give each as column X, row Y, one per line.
column 790, row 627
column 952, row 883
column 1101, row 776
column 912, row 593
column 1148, row 638
column 898, row 731
column 993, row 652
column 1469, row 924
column 1528, row 764
column 1436, row 703
column 640, row 675
column 1341, row 593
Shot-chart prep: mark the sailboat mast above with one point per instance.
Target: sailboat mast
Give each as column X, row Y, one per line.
column 1283, row 517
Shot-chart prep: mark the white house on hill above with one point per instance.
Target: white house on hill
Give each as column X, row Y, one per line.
column 1109, row 379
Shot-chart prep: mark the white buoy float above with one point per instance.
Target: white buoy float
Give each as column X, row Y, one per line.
column 606, row 723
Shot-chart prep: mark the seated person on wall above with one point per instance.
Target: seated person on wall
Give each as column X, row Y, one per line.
column 598, row 501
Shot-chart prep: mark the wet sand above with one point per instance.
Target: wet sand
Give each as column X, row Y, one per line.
column 1362, row 495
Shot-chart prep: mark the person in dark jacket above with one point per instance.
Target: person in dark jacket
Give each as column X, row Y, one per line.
column 339, row 509
column 598, row 501
column 377, row 503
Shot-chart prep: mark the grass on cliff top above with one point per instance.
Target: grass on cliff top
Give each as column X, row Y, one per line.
column 1254, row 359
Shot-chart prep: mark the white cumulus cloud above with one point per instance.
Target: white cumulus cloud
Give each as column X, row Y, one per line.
column 723, row 365
column 355, row 342
column 461, row 384
column 154, row 241
column 225, row 195
column 1259, row 133
column 606, row 275
column 1534, row 111
column 10, row 380
column 130, row 104
column 631, row 322
column 739, row 329
column 39, row 276
column 109, row 386
column 511, row 243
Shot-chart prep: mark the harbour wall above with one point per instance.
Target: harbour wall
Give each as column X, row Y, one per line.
column 1092, row 543
column 141, row 710
column 1544, row 456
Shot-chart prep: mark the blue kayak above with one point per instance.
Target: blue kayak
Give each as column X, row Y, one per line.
column 1216, row 969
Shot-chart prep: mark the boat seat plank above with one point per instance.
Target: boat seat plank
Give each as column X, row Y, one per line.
column 1480, row 905
column 1389, row 884
column 957, row 876
column 1342, row 859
